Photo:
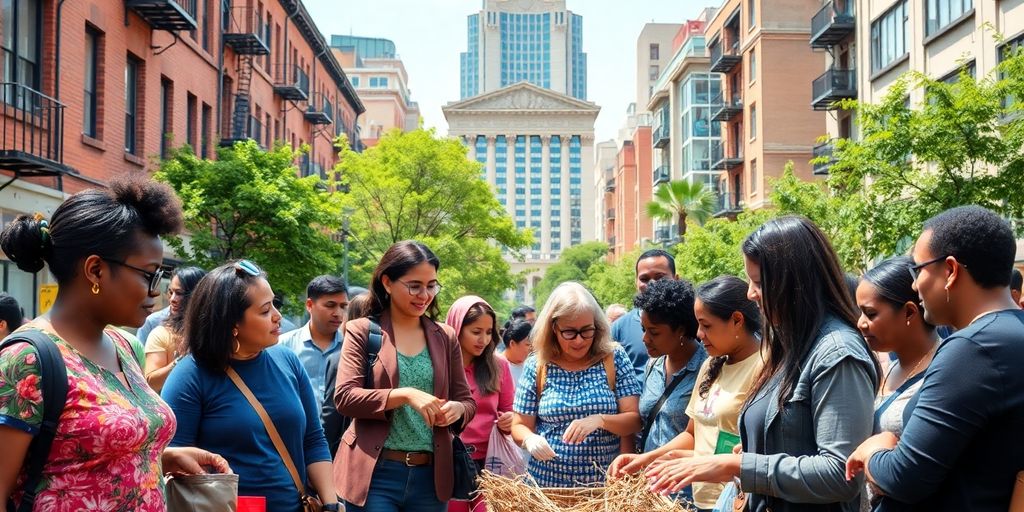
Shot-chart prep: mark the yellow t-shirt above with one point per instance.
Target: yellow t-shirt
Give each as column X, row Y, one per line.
column 161, row 340
column 716, row 418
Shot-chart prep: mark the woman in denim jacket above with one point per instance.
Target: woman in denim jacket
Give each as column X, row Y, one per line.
column 812, row 405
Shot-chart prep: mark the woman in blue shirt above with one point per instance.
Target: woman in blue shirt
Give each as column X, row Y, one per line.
column 231, row 322
column 670, row 332
column 578, row 394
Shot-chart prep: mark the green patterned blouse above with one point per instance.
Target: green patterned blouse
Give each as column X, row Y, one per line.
column 409, row 433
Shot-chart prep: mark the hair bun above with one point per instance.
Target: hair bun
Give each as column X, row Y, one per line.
column 26, row 241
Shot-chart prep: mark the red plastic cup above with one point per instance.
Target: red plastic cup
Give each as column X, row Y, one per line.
column 252, row 504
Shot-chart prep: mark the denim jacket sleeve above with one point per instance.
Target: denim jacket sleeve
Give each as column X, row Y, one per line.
column 839, row 383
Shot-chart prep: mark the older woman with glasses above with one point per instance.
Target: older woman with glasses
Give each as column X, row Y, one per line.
column 231, row 328
column 578, row 396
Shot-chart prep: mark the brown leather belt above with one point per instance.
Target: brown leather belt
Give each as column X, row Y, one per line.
column 408, row 458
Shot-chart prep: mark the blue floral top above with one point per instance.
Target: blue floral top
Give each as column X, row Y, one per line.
column 569, row 396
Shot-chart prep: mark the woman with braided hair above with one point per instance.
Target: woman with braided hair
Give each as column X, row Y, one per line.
column 728, row 326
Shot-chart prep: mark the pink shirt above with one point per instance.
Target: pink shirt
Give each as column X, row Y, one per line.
column 488, row 408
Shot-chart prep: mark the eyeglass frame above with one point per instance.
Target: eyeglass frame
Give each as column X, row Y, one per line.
column 426, row 287
column 915, row 270
column 576, row 332
column 153, row 277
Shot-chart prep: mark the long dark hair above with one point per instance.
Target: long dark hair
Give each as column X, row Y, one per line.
column 485, row 367
column 894, row 285
column 395, row 263
column 801, row 283
column 188, row 278
column 216, row 306
column 723, row 296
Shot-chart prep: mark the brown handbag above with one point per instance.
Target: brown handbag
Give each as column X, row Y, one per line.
column 216, row 492
column 310, row 503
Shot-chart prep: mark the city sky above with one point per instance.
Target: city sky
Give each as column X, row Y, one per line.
column 429, row 35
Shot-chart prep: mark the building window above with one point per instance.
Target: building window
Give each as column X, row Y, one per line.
column 752, row 64
column 132, row 77
column 204, row 131
column 166, row 114
column 942, row 13
column 91, row 86
column 354, row 80
column 753, row 121
column 653, row 72
column 889, row 37
column 22, row 28
column 655, row 51
column 753, row 177
column 190, row 121
column 752, row 13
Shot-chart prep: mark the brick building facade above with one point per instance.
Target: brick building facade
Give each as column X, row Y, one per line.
column 94, row 89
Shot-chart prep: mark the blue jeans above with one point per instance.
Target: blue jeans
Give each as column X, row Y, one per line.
column 395, row 487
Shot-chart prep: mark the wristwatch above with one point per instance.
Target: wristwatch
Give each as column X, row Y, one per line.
column 332, row 507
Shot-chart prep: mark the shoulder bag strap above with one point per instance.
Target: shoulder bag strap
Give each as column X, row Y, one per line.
column 53, row 379
column 657, row 408
column 374, row 340
column 542, row 378
column 282, row 450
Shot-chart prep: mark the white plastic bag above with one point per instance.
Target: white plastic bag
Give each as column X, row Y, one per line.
column 503, row 456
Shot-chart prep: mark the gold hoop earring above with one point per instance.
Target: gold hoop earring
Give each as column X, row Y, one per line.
column 238, row 346
column 95, row 288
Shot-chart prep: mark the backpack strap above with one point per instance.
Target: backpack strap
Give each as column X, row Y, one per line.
column 53, row 383
column 609, row 372
column 373, row 343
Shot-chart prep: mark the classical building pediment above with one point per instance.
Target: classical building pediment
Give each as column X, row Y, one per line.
column 522, row 96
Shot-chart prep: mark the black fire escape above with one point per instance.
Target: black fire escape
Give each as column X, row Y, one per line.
column 246, row 33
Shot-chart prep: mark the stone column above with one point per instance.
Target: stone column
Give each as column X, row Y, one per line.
column 491, row 162
column 566, row 197
column 545, row 193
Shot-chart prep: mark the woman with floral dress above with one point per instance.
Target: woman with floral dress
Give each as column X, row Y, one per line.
column 578, row 395
column 104, row 249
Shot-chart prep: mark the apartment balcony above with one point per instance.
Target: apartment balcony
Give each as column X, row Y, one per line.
column 663, row 234
column 726, row 205
column 319, row 110
column 291, row 82
column 723, row 158
column 833, row 23
column 610, row 214
column 166, row 14
column 723, row 60
column 246, row 32
column 662, row 175
column 832, row 86
column 31, row 129
column 609, row 185
column 660, row 136
column 724, row 110
column 823, row 158
column 253, row 130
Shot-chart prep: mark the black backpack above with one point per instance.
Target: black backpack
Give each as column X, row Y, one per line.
column 333, row 422
column 53, row 379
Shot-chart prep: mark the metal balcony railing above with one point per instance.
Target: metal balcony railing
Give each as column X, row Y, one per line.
column 169, row 15
column 31, row 128
column 319, row 110
column 832, row 86
column 823, row 158
column 291, row 82
column 725, row 158
column 246, row 32
column 832, row 24
column 723, row 109
column 724, row 59
column 662, row 175
column 726, row 204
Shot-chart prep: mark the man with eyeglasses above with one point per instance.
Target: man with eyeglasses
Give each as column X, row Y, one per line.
column 326, row 303
column 651, row 266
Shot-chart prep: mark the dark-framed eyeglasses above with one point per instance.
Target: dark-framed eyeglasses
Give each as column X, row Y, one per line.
column 419, row 288
column 247, row 267
column 153, row 277
column 915, row 271
column 570, row 334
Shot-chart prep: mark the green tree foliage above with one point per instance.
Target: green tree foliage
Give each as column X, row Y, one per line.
column 713, row 249
column 963, row 144
column 614, row 283
column 249, row 203
column 680, row 201
column 573, row 265
column 414, row 185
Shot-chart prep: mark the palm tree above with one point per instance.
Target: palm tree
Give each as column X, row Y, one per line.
column 680, row 200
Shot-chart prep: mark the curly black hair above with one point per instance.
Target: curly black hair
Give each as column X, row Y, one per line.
column 669, row 302
column 979, row 239
column 100, row 222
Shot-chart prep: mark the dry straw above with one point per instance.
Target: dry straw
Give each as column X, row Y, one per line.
column 521, row 494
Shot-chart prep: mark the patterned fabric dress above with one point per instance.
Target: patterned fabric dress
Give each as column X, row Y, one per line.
column 569, row 396
column 106, row 455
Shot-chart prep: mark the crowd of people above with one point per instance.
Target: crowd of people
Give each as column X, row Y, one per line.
column 794, row 389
